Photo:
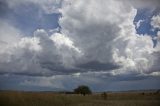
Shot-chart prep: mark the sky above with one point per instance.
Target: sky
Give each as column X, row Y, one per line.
column 56, row 45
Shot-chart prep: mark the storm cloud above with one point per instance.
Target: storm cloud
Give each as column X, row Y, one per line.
column 95, row 40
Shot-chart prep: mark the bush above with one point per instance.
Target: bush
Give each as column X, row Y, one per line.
column 82, row 90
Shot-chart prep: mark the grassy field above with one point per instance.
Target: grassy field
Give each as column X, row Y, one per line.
column 12, row 98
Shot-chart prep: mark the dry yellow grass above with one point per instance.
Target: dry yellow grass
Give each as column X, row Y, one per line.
column 54, row 99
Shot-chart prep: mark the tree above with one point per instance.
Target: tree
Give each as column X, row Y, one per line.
column 82, row 89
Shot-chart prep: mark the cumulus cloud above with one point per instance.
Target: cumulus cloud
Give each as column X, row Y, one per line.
column 103, row 37
column 39, row 55
column 96, row 36
column 20, row 57
column 89, row 25
column 155, row 21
